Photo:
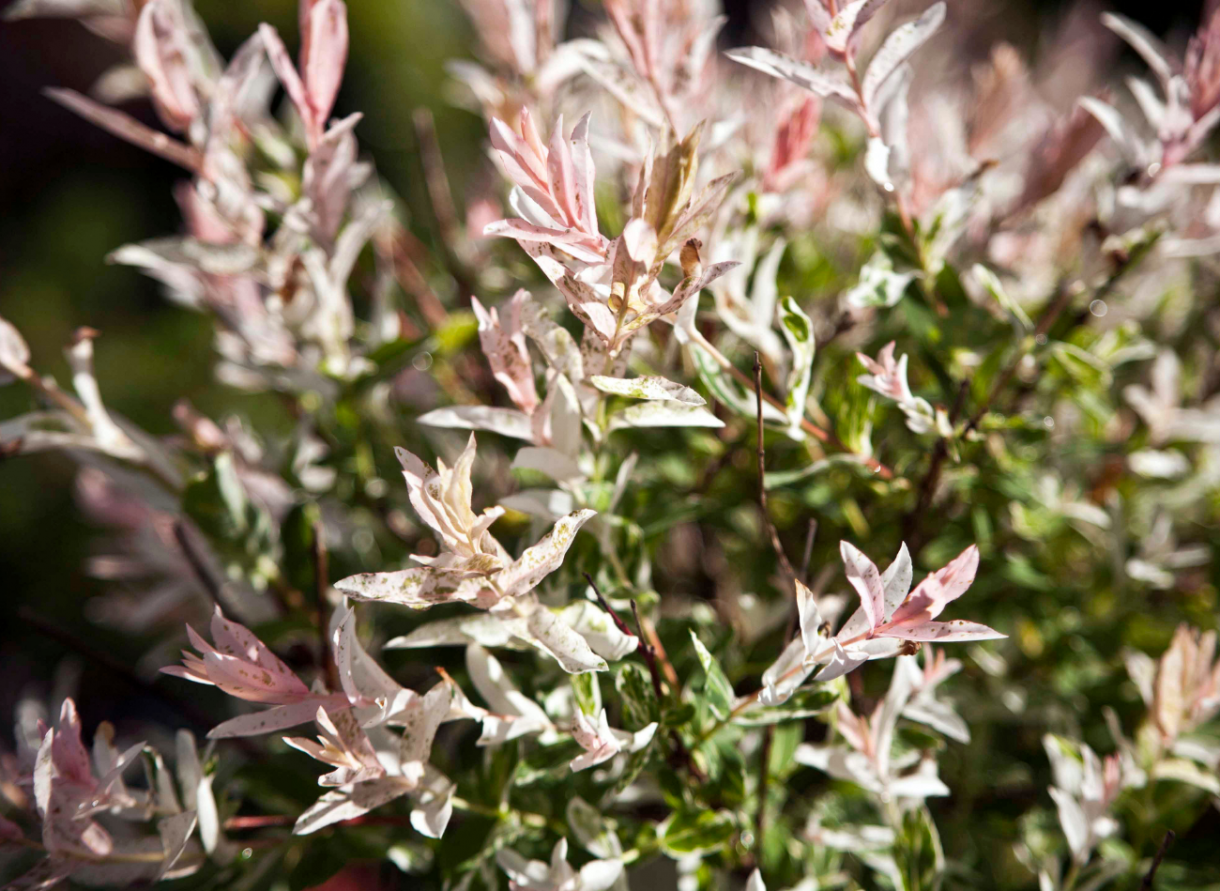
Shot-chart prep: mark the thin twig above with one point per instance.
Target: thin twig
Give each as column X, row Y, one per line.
column 321, row 582
column 1146, row 884
column 642, row 646
column 681, row 755
column 1045, row 323
column 435, row 178
column 396, row 244
column 810, row 536
column 760, row 818
column 207, row 579
column 121, row 669
column 762, row 481
column 807, row 425
column 927, row 488
column 440, row 194
column 619, row 623
column 648, row 651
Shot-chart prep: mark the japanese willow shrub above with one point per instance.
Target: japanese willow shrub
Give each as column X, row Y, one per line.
column 754, row 385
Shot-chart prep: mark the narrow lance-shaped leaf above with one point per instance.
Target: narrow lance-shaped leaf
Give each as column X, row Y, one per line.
column 663, row 414
column 716, row 688
column 899, row 46
column 798, row 331
column 126, row 127
column 800, row 73
column 842, row 32
column 728, row 391
column 14, row 353
column 648, row 387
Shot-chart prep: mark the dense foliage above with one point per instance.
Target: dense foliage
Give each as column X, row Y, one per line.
column 736, row 372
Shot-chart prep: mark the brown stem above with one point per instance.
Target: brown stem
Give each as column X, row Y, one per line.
column 1146, row 884
column 647, row 650
column 435, row 178
column 762, row 482
column 321, row 581
column 207, row 579
column 810, row 536
column 927, row 488
column 397, row 247
column 441, row 196
column 760, row 818
column 115, row 666
column 681, row 755
column 1045, row 323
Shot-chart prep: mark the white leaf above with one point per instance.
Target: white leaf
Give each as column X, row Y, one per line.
column 939, row 716
column 1128, row 142
column 649, row 387
column 174, row 831
column 842, row 662
column 598, row 630
column 810, row 620
column 344, row 804
column 663, row 414
column 552, row 462
column 433, row 804
column 863, row 575
column 1075, row 824
column 14, row 353
column 546, row 504
column 800, row 73
column 899, row 46
column 1143, row 42
column 505, row 421
column 543, row 558
column 879, row 284
column 480, row 628
column 877, row 163
column 599, row 875
column 554, row 636
column 847, row 24
column 501, row 696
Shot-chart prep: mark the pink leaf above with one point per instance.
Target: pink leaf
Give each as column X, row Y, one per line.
column 126, row 127
column 944, row 632
column 504, row 346
column 160, row 50
column 293, row 85
column 939, row 589
column 582, row 162
column 324, row 55
column 863, row 575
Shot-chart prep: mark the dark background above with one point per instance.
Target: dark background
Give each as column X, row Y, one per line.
column 71, row 193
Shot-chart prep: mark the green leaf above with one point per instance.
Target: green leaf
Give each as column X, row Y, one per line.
column 678, row 716
column 717, row 689
column 639, row 700
column 783, row 747
column 726, row 774
column 635, row 765
column 804, row 703
column 688, row 833
column 728, row 392
column 297, row 540
column 458, row 329
column 917, row 852
column 588, row 693
column 798, row 331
